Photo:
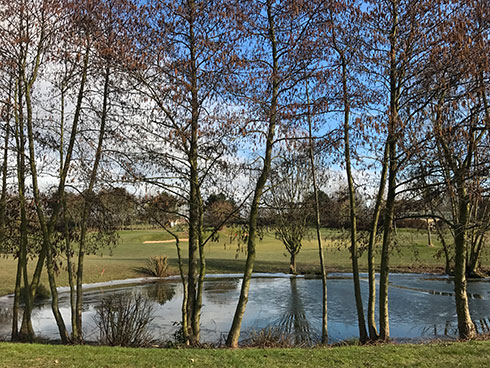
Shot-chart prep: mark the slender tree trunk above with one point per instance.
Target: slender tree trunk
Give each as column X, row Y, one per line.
column 68, row 249
column 75, row 333
column 48, row 228
column 47, row 244
column 54, row 295
column 185, row 292
column 445, row 247
column 466, row 327
column 194, row 180
column 192, row 257
column 461, row 218
column 363, row 336
column 474, row 256
column 3, row 198
column 88, row 202
column 373, row 333
column 26, row 331
column 21, row 254
column 234, row 334
column 3, row 211
column 202, row 274
column 389, row 225
column 384, row 326
column 318, row 224
column 429, row 237
column 30, row 293
column 15, row 305
column 292, row 263
column 185, row 331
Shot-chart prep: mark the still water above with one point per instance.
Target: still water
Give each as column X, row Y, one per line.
column 420, row 306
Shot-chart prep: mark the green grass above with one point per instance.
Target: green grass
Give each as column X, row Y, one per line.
column 467, row 354
column 410, row 253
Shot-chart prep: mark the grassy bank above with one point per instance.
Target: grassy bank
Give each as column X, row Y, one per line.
column 467, row 354
column 411, row 253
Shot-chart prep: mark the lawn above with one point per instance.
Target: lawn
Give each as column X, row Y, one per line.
column 466, row 354
column 410, row 253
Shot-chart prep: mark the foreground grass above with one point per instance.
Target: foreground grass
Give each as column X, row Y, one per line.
column 467, row 354
column 410, row 254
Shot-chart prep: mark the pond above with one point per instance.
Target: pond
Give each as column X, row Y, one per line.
column 421, row 307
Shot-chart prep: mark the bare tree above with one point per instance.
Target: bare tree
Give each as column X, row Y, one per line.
column 287, row 202
column 273, row 68
column 185, row 56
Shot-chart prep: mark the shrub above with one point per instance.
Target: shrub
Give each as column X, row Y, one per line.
column 123, row 320
column 42, row 292
column 155, row 266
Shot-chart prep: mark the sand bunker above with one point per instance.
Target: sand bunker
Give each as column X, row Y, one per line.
column 163, row 241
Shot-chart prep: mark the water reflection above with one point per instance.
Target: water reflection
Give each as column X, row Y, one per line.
column 449, row 329
column 420, row 308
column 482, row 326
column 294, row 322
column 161, row 292
column 219, row 291
column 437, row 292
column 5, row 316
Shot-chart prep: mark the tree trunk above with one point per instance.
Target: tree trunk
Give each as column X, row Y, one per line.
column 234, row 334
column 445, row 247
column 352, row 205
column 193, row 179
column 23, row 226
column 384, row 327
column 185, row 292
column 202, row 273
column 88, row 201
column 54, row 296
column 292, row 263
column 47, row 233
column 466, row 327
column 429, row 237
column 26, row 331
column 373, row 333
column 389, row 225
column 185, row 330
column 474, row 257
column 3, row 198
column 318, row 225
column 75, row 334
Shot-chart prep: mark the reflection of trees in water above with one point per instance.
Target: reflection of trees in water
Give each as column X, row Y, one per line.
column 294, row 322
column 447, row 329
column 482, row 326
column 436, row 292
column 161, row 292
column 5, row 316
column 215, row 290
